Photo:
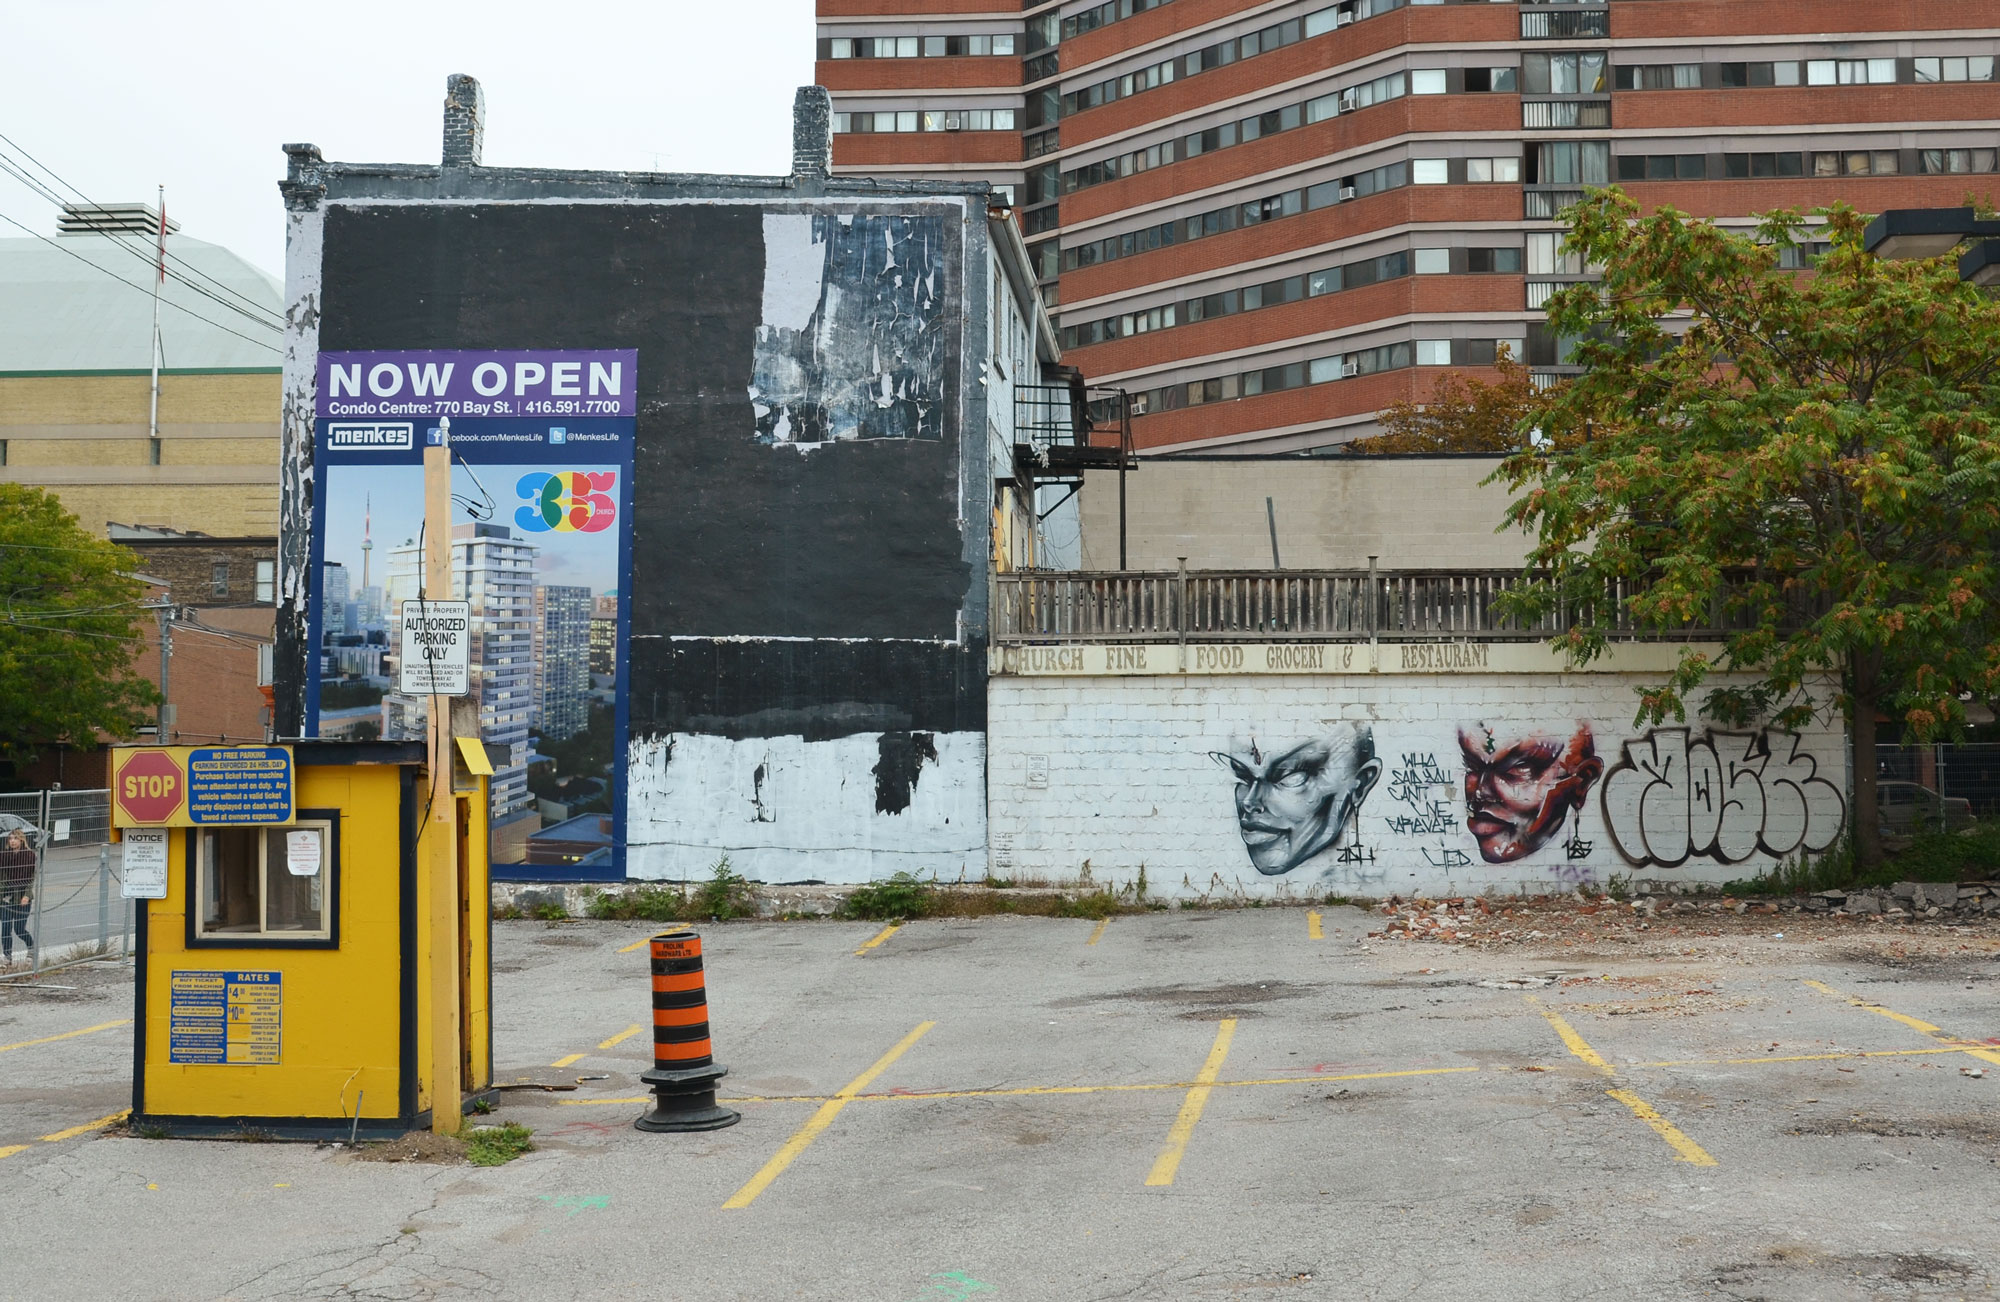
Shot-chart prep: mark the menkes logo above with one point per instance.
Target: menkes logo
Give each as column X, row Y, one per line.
column 370, row 437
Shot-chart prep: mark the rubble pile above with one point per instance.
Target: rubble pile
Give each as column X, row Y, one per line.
column 1567, row 919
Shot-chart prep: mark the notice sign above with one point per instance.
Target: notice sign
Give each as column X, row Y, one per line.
column 226, row 1018
column 145, row 868
column 437, row 648
column 302, row 853
column 240, row 784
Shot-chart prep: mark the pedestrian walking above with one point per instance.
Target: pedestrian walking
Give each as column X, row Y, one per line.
column 17, row 887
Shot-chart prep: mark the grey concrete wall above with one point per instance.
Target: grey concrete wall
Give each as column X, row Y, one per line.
column 1332, row 512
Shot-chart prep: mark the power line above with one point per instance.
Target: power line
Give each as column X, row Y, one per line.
column 170, row 256
column 261, row 343
column 145, row 257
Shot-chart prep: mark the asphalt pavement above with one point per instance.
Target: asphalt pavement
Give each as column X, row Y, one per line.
column 1182, row 1105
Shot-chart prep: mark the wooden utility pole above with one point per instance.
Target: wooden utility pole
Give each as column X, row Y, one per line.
column 439, row 835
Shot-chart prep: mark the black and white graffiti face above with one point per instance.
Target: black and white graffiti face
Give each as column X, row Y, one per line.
column 1298, row 804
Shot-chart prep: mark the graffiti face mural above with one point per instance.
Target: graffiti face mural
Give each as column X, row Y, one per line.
column 1723, row 796
column 1520, row 788
column 1300, row 803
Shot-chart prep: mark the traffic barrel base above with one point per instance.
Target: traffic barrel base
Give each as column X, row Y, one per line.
column 685, row 1100
column 684, row 1068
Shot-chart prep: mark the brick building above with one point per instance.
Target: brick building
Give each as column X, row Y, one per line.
column 1267, row 221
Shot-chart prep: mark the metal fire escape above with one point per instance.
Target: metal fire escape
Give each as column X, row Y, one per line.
column 1064, row 429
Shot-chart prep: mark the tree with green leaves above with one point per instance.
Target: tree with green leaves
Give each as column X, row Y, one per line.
column 69, row 630
column 1809, row 459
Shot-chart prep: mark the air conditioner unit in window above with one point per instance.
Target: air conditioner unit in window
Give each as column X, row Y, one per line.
column 1348, row 103
column 1348, row 370
column 1346, row 193
column 1343, row 18
column 952, row 124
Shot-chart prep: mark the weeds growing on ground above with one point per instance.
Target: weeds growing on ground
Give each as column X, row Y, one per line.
column 905, row 896
column 725, row 895
column 549, row 911
column 497, row 1145
column 1929, row 857
column 509, row 912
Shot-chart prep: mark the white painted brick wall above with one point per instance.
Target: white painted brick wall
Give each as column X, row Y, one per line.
column 1131, row 782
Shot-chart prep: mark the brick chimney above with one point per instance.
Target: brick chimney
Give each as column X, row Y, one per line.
column 812, row 132
column 464, row 120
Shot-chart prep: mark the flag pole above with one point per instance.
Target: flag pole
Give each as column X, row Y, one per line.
column 159, row 278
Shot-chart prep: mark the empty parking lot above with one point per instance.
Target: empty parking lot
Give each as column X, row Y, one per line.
column 1183, row 1105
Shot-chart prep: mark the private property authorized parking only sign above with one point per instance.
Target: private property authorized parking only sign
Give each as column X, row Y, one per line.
column 436, row 648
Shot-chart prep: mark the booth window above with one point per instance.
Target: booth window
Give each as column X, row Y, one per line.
column 266, row 883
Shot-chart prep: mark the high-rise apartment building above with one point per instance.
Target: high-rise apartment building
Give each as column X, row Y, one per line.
column 561, row 627
column 1267, row 221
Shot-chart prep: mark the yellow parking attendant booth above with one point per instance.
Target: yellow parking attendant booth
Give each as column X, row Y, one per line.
column 284, row 943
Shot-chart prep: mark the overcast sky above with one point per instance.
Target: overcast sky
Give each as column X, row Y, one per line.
column 119, row 97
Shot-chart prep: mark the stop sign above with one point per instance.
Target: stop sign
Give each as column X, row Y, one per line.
column 150, row 787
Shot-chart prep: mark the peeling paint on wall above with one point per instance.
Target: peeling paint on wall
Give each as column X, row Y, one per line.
column 900, row 758
column 852, row 342
column 785, row 809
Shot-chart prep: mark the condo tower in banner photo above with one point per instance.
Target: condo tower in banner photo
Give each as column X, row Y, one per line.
column 1266, row 222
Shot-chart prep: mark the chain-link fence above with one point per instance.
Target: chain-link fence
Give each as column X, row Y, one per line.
column 71, row 908
column 1969, row 772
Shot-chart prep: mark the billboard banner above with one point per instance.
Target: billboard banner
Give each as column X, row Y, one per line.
column 541, row 483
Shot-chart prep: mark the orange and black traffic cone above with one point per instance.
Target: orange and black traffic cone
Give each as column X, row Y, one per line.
column 684, row 1070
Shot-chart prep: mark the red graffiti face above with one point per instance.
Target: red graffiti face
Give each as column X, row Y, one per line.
column 1518, row 791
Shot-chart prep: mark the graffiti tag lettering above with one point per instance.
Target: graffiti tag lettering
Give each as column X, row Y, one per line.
column 1432, row 818
column 1353, row 854
column 1446, row 857
column 1722, row 796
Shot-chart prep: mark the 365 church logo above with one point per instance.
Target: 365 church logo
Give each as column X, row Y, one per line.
column 370, row 436
column 567, row 501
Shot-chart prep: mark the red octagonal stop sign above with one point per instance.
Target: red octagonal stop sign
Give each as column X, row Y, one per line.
column 150, row 787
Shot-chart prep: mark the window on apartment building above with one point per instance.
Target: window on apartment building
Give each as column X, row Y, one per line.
column 1566, row 162
column 1662, row 167
column 1657, row 76
column 1434, row 352
column 1431, row 262
column 1850, row 72
column 1546, row 256
column 1430, row 171
column 218, row 579
column 267, row 580
column 962, row 46
column 1479, row 80
column 1478, row 170
column 1563, row 74
column 1760, row 74
column 1957, row 160
column 926, row 120
column 1493, row 261
column 1857, row 162
column 1783, row 163
column 1091, row 19
column 1427, row 81
column 1971, row 68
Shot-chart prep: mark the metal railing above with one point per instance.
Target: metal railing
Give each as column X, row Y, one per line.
column 1286, row 606
column 1564, row 24
column 74, row 909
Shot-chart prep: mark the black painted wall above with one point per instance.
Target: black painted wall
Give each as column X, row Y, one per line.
column 733, row 538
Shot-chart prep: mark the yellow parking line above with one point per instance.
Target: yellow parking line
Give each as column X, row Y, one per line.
column 66, row 1035
column 1685, row 1149
column 880, row 936
column 1312, row 925
column 12, row 1149
column 637, row 944
column 621, row 1037
column 821, row 1119
column 87, row 1127
column 1953, row 1043
column 1688, row 1150
column 1098, row 934
column 1169, row 1160
column 1797, row 1057
column 570, row 1060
